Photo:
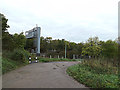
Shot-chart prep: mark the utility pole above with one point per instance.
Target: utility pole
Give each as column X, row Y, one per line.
column 65, row 50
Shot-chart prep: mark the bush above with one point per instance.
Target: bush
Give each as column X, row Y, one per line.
column 6, row 54
column 13, row 60
column 20, row 55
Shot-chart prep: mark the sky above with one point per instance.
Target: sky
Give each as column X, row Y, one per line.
column 72, row 20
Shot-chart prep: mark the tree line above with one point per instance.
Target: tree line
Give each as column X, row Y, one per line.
column 92, row 48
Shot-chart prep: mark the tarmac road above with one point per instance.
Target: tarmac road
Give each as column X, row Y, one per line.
column 41, row 75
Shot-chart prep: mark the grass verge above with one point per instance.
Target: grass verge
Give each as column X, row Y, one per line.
column 94, row 75
column 9, row 65
column 54, row 59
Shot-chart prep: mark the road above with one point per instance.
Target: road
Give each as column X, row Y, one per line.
column 41, row 75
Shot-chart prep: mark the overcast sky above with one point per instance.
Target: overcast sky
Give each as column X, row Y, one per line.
column 72, row 20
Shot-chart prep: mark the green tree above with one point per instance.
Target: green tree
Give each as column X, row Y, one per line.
column 4, row 23
column 110, row 49
column 29, row 44
column 7, row 39
column 8, row 42
column 20, row 40
column 92, row 48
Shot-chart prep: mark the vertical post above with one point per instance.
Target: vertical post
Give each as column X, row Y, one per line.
column 38, row 40
column 65, row 50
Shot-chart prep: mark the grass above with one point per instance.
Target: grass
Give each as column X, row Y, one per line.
column 54, row 59
column 9, row 65
column 93, row 74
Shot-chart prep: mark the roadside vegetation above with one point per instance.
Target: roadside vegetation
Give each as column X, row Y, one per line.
column 100, row 69
column 95, row 74
column 9, row 65
column 13, row 53
column 54, row 59
column 13, row 60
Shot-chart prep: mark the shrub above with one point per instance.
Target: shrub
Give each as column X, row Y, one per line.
column 6, row 54
column 19, row 55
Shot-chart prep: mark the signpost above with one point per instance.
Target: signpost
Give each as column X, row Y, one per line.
column 35, row 33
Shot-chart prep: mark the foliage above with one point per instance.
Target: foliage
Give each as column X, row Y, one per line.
column 7, row 42
column 19, row 55
column 19, row 40
column 8, row 65
column 92, row 48
column 54, row 59
column 95, row 75
column 29, row 44
column 10, row 42
column 4, row 23
column 6, row 54
column 101, row 49
column 110, row 49
column 57, row 47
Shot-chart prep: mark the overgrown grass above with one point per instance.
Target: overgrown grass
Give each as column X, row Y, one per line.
column 95, row 75
column 14, row 59
column 54, row 59
column 9, row 65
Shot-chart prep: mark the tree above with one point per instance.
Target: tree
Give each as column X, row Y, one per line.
column 7, row 39
column 8, row 42
column 29, row 44
column 92, row 47
column 20, row 40
column 4, row 23
column 110, row 49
